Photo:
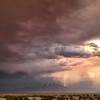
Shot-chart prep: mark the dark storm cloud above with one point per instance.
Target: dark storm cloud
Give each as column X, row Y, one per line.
column 40, row 60
column 7, row 75
column 45, row 19
column 72, row 51
column 69, row 25
column 29, row 84
column 28, row 23
column 29, row 30
column 19, row 53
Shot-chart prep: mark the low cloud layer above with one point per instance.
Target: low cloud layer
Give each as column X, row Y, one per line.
column 41, row 59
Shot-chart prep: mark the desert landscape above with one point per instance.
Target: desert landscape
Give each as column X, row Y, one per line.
column 52, row 96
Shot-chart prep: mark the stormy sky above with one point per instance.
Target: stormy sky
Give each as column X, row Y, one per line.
column 43, row 45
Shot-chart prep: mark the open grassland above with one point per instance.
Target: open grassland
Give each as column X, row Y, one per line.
column 49, row 96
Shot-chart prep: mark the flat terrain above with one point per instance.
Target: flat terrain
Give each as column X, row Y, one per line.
column 49, row 96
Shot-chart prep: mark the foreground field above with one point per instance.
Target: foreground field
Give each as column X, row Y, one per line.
column 47, row 96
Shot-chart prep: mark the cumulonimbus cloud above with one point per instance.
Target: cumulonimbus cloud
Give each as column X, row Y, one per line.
column 35, row 36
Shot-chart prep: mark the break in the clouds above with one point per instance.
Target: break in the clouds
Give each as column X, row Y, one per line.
column 41, row 40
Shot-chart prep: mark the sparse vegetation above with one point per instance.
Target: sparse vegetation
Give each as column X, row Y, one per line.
column 53, row 97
